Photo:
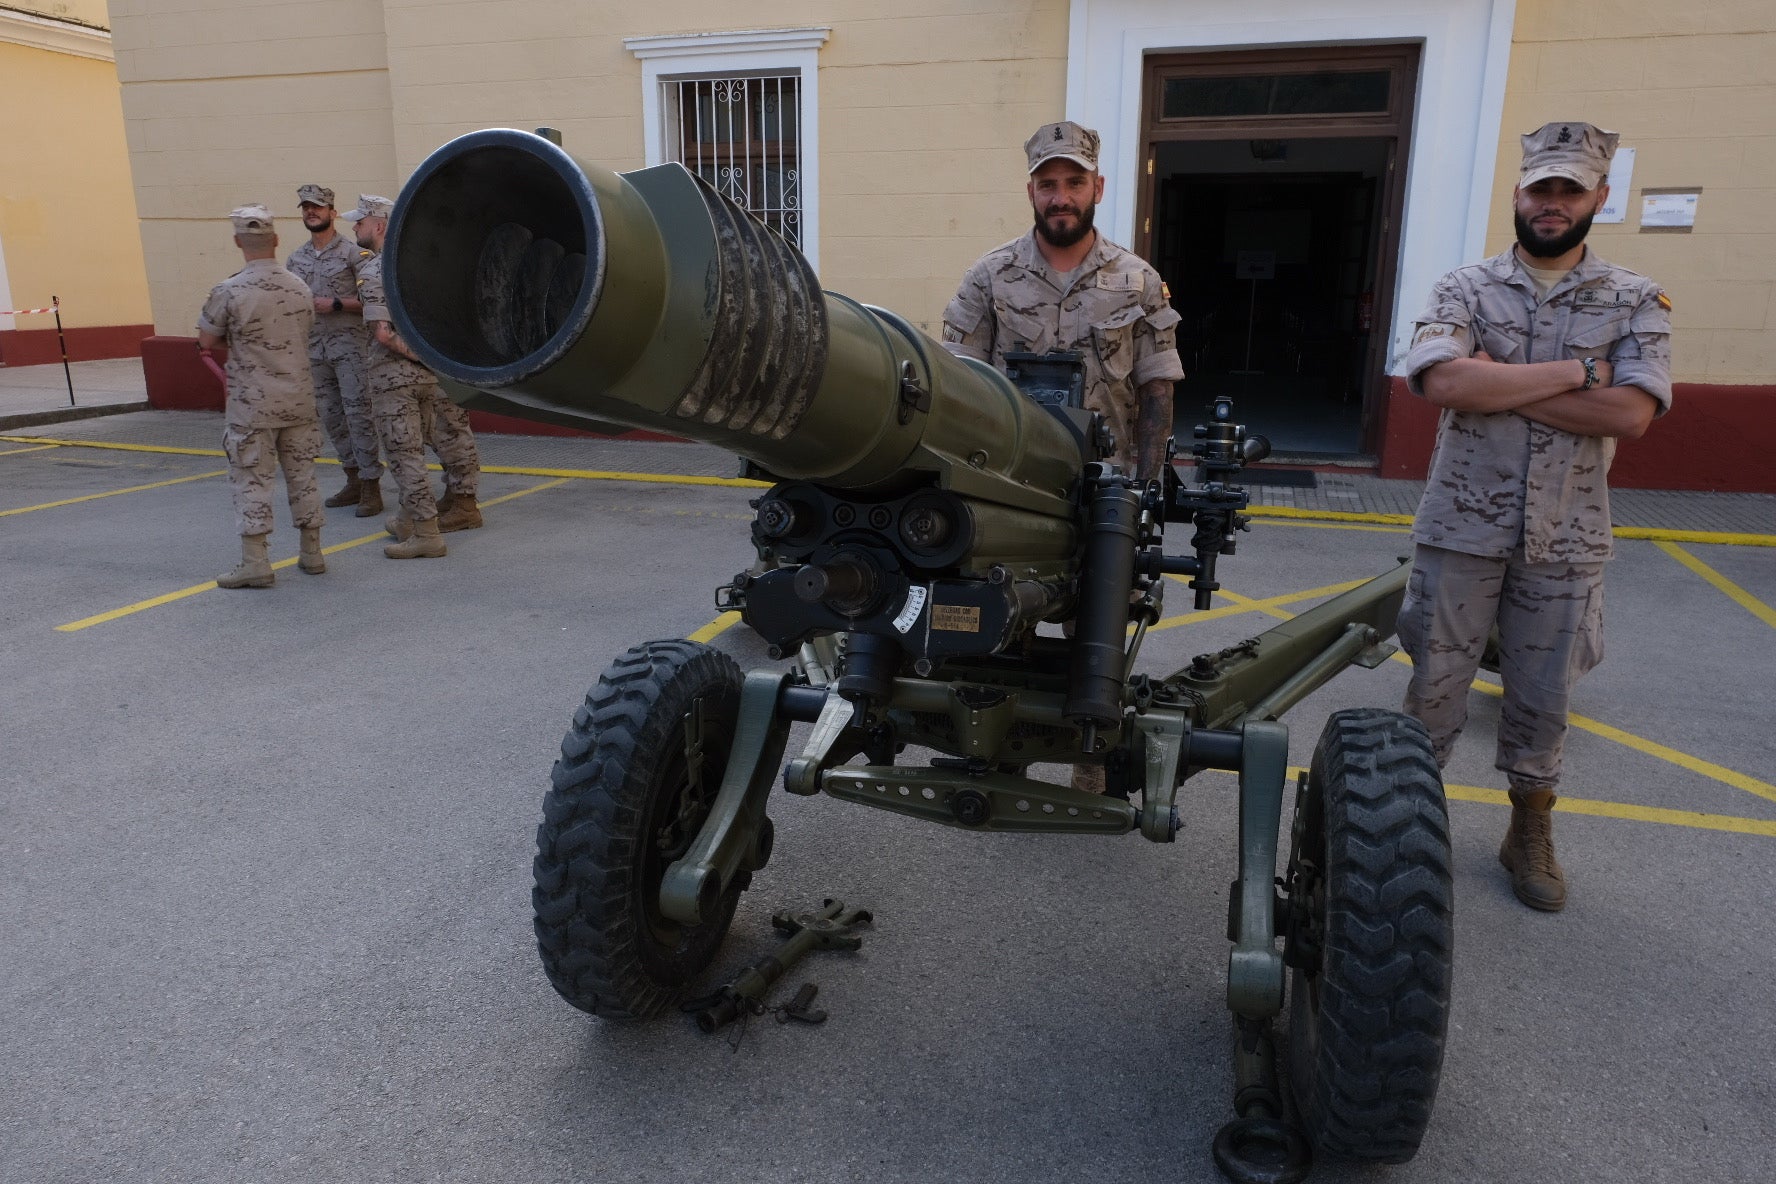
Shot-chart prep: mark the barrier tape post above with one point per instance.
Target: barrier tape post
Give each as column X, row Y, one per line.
column 56, row 303
column 55, row 306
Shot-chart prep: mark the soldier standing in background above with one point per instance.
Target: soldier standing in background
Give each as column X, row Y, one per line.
column 328, row 264
column 1540, row 359
column 404, row 395
column 262, row 315
column 1064, row 286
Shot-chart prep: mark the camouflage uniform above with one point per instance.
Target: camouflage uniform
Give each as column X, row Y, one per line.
column 1113, row 309
column 407, row 400
column 336, row 353
column 1514, row 525
column 264, row 313
column 454, row 442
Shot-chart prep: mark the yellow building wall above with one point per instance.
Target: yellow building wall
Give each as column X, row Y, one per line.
column 923, row 109
column 227, row 103
column 1693, row 89
column 922, row 113
column 67, row 220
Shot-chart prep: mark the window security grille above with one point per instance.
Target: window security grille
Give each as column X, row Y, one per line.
column 743, row 136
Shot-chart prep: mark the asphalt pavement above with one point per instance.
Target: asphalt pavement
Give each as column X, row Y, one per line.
column 265, row 857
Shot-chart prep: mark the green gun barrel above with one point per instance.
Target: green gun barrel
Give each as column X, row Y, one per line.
column 542, row 286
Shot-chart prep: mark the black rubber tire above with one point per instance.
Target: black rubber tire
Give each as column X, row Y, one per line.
column 1369, row 1013
column 611, row 827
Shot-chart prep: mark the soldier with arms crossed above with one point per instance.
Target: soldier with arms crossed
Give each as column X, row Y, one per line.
column 328, row 264
column 1540, row 358
column 261, row 315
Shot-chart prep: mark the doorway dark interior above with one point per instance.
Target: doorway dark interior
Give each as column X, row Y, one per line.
column 1270, row 250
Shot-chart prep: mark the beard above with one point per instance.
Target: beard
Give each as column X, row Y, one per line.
column 1551, row 247
column 317, row 224
column 1065, row 238
column 362, row 238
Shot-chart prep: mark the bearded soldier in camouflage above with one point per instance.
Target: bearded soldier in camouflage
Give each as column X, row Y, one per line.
column 261, row 314
column 1541, row 358
column 328, row 264
column 1064, row 286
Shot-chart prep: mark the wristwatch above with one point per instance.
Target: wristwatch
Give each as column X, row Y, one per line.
column 339, row 306
column 1591, row 378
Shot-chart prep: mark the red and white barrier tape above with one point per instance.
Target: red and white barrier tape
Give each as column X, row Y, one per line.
column 21, row 312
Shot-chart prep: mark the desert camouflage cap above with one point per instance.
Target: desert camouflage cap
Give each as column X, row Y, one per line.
column 1065, row 140
column 254, row 219
column 1577, row 151
column 318, row 195
column 369, row 206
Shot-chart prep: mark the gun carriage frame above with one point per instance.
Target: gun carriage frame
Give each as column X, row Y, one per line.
column 913, row 532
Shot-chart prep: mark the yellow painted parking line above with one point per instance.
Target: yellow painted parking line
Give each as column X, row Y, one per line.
column 1291, row 515
column 1653, row 748
column 115, row 447
column 1693, row 819
column 1734, row 592
column 181, row 594
column 92, row 497
column 1312, row 524
column 514, row 470
column 208, row 585
column 1327, row 515
column 1651, row 533
column 618, row 475
column 1683, row 760
column 1566, row 805
column 715, row 628
column 1243, row 605
column 35, row 448
column 1723, row 538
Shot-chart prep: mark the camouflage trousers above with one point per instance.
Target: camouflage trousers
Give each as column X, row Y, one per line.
column 454, row 442
column 343, row 402
column 403, row 417
column 1550, row 623
column 254, row 456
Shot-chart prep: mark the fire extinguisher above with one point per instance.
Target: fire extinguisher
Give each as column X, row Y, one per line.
column 1366, row 312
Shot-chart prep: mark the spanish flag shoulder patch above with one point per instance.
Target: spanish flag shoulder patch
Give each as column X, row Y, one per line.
column 1664, row 301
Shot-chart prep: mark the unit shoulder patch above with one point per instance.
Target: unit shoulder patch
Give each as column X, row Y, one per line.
column 1431, row 331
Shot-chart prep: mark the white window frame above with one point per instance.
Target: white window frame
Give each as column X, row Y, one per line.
column 674, row 58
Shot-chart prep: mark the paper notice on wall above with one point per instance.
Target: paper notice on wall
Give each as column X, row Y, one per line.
column 1620, row 179
column 1668, row 209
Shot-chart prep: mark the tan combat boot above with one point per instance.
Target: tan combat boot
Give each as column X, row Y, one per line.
column 425, row 543
column 463, row 514
column 348, row 494
column 311, row 560
column 1528, row 851
column 446, row 499
column 399, row 526
column 254, row 570
column 369, row 498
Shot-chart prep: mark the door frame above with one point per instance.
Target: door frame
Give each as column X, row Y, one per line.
column 1394, row 124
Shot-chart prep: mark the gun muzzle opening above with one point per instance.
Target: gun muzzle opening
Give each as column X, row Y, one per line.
column 495, row 257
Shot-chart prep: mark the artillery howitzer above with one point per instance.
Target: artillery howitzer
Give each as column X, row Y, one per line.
column 930, row 515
